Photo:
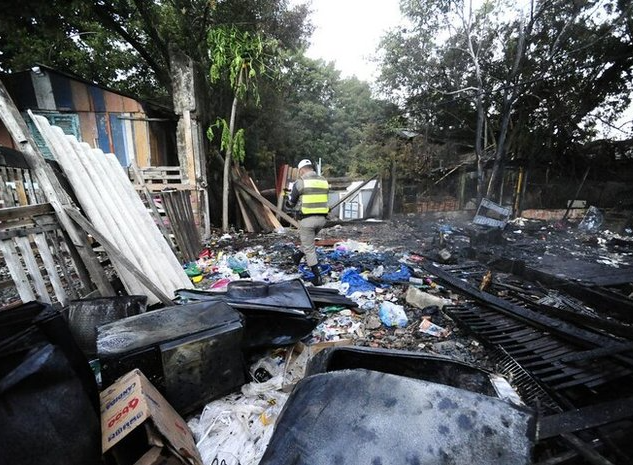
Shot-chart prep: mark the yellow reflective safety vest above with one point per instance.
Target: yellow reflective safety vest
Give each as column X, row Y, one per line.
column 314, row 196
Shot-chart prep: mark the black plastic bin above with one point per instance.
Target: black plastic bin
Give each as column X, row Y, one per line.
column 191, row 353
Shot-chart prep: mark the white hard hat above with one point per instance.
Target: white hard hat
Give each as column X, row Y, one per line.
column 304, row 162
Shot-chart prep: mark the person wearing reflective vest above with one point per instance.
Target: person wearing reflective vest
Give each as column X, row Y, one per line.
column 310, row 191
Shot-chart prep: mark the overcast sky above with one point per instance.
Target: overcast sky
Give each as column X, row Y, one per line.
column 348, row 31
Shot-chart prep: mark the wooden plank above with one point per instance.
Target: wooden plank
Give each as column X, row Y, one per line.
column 24, row 245
column 270, row 217
column 115, row 254
column 50, row 185
column 174, row 221
column 21, row 192
column 141, row 143
column 16, row 271
column 51, row 268
column 28, row 184
column 154, row 211
column 161, row 187
column 81, row 98
column 265, row 202
column 247, row 220
column 23, row 232
column 54, row 239
column 191, row 220
column 7, row 196
column 88, row 128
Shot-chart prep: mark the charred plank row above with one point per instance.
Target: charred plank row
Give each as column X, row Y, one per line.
column 563, row 330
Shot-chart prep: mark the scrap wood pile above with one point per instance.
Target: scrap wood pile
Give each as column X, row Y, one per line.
column 256, row 212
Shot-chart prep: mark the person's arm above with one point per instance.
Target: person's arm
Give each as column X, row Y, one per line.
column 295, row 193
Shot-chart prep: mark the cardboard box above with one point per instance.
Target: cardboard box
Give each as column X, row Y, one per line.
column 138, row 425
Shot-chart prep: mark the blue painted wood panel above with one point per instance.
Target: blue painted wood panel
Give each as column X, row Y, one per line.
column 98, row 100
column 118, row 139
column 62, row 91
column 102, row 132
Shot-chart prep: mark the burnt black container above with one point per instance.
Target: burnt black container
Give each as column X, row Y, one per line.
column 191, row 353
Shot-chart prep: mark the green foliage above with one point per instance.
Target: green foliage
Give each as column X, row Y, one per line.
column 576, row 71
column 236, row 142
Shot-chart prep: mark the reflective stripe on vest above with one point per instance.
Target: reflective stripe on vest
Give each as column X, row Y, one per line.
column 314, row 197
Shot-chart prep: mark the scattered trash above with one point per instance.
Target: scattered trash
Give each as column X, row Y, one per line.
column 236, row 429
column 592, row 220
column 486, row 281
column 336, row 328
column 402, row 275
column 427, row 327
column 393, row 315
column 192, row 269
column 355, row 281
column 421, row 299
column 491, row 214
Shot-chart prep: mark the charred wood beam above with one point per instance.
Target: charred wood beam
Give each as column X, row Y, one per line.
column 585, row 418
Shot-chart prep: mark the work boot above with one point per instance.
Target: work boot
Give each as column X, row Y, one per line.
column 297, row 256
column 316, row 270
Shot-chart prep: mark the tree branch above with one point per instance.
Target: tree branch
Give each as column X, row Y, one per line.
column 111, row 23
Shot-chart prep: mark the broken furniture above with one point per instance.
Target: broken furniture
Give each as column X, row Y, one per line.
column 191, row 353
column 48, row 393
column 275, row 314
column 139, row 426
column 362, row 417
column 49, row 189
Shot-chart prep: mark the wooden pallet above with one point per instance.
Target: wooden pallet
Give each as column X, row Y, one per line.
column 158, row 178
column 37, row 255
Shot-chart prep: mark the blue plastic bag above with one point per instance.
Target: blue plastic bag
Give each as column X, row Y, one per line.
column 393, row 315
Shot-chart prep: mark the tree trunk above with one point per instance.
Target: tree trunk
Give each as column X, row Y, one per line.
column 509, row 96
column 478, row 145
column 227, row 159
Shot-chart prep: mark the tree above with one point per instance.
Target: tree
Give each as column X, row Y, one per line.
column 239, row 55
column 553, row 69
